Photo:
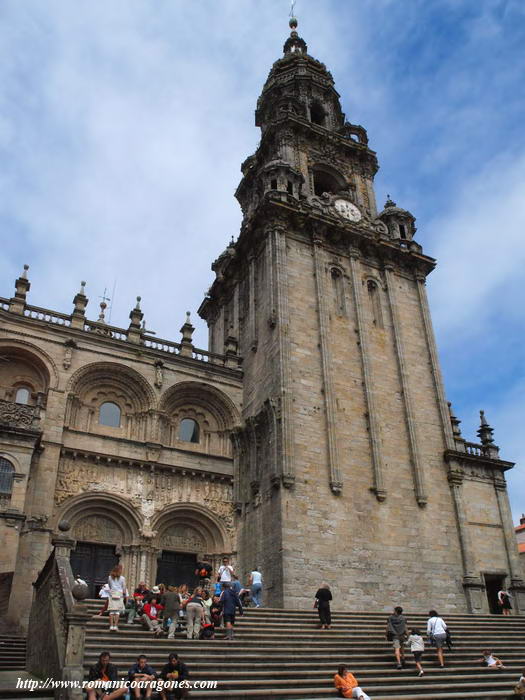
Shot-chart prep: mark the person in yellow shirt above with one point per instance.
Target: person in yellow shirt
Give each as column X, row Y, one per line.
column 347, row 685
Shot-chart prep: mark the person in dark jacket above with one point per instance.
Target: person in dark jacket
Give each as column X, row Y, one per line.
column 396, row 631
column 230, row 603
column 103, row 670
column 175, row 671
column 143, row 673
column 322, row 603
column 171, row 602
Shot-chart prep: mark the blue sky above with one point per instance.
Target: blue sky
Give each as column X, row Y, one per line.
column 123, row 126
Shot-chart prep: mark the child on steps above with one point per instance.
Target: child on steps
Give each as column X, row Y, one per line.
column 417, row 647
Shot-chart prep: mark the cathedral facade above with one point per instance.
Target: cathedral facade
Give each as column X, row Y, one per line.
column 312, row 439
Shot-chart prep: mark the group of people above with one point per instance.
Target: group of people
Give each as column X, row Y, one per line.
column 164, row 610
column 172, row 680
column 398, row 632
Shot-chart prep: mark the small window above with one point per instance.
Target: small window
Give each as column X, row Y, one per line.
column 273, row 184
column 375, row 302
column 289, row 187
column 189, row 430
column 23, row 394
column 6, row 479
column 402, row 231
column 339, row 292
column 109, row 414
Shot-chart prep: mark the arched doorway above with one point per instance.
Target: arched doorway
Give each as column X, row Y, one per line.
column 104, row 527
column 186, row 533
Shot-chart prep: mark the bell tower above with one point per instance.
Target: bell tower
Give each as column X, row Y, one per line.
column 340, row 472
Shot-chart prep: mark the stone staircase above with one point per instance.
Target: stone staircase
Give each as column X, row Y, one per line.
column 282, row 654
column 12, row 653
column 12, row 667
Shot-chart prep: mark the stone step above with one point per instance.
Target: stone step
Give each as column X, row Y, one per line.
column 287, row 612
column 271, row 646
column 244, row 621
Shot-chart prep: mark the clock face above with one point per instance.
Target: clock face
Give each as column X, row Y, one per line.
column 347, row 209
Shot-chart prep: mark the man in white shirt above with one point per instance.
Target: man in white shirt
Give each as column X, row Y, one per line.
column 226, row 571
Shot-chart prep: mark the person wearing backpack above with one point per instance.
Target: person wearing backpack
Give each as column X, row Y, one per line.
column 437, row 634
column 204, row 571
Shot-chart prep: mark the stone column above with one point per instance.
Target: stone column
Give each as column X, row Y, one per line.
column 335, row 480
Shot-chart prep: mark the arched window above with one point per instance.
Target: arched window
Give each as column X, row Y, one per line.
column 109, row 414
column 325, row 182
column 189, row 430
column 339, row 292
column 23, row 394
column 6, row 480
column 375, row 303
column 317, row 114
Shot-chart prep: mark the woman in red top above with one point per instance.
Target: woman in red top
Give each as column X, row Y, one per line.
column 151, row 617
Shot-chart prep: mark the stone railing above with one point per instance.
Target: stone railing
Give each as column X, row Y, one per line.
column 57, row 623
column 18, row 415
column 231, row 360
column 46, row 315
column 472, row 448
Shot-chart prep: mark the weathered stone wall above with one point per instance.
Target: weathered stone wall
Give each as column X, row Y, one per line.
column 371, row 553
column 142, row 470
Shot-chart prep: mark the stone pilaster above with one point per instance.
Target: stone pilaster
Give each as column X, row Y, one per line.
column 434, row 361
column 417, row 467
column 280, row 295
column 335, row 480
column 368, row 384
column 517, row 584
column 472, row 583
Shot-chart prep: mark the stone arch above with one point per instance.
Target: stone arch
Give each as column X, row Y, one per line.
column 203, row 530
column 25, row 365
column 103, row 382
column 326, row 178
column 89, row 514
column 214, row 411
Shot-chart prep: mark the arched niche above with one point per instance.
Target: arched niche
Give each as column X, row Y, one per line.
column 23, row 368
column 102, row 383
column 212, row 410
column 101, row 518
column 189, row 527
column 327, row 179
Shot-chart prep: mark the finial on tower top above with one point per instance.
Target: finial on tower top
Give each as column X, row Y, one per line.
column 389, row 202
column 137, row 305
column 293, row 19
column 101, row 316
column 24, row 273
column 294, row 44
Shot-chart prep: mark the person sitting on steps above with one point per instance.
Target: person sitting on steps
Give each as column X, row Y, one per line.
column 103, row 670
column 347, row 685
column 491, row 661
